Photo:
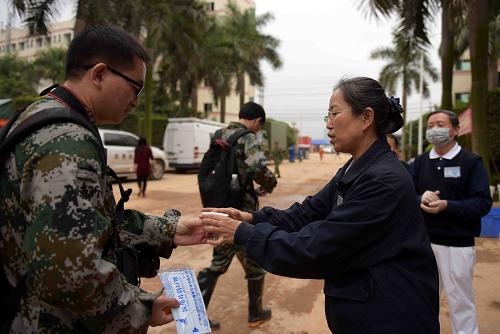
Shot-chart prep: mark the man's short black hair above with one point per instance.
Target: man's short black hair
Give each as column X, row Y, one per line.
column 103, row 44
column 252, row 110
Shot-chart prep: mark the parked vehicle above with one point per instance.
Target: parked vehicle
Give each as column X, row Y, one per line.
column 120, row 146
column 186, row 140
column 275, row 136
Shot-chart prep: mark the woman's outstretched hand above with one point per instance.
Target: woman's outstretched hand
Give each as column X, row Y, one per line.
column 219, row 228
column 232, row 213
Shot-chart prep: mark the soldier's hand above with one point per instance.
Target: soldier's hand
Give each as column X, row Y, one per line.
column 189, row 231
column 220, row 228
column 429, row 196
column 160, row 313
column 232, row 213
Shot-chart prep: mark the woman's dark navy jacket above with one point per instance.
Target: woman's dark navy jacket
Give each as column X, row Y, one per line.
column 363, row 233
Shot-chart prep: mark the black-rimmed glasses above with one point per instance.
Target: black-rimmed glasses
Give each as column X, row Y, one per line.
column 138, row 86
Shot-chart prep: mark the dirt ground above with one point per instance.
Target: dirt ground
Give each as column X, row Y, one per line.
column 297, row 305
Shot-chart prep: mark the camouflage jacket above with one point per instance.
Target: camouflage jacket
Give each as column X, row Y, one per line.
column 58, row 204
column 251, row 165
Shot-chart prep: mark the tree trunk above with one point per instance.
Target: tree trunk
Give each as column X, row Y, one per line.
column 81, row 14
column 492, row 75
column 194, row 99
column 241, row 85
column 148, row 103
column 223, row 108
column 404, row 101
column 446, row 53
column 478, row 19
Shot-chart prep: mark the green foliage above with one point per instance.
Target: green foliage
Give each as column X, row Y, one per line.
column 17, row 77
column 49, row 64
column 23, row 101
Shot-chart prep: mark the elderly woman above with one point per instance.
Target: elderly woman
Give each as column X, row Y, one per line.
column 362, row 233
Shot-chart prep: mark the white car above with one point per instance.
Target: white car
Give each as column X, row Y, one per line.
column 120, row 147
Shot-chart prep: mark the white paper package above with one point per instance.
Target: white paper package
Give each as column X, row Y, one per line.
column 191, row 316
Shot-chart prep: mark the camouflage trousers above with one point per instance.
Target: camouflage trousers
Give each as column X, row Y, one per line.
column 223, row 255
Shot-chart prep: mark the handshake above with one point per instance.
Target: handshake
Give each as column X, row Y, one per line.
column 214, row 226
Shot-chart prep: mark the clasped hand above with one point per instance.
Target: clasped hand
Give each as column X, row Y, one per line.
column 431, row 203
column 220, row 229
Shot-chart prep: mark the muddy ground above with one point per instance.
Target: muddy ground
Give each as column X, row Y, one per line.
column 297, row 305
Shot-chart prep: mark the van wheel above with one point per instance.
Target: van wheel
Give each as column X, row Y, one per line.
column 157, row 170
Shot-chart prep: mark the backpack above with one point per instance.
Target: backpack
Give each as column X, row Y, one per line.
column 216, row 168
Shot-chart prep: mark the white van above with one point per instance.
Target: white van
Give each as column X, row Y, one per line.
column 120, row 147
column 186, row 140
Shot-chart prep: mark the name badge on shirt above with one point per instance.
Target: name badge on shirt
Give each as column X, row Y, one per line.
column 340, row 200
column 453, row 172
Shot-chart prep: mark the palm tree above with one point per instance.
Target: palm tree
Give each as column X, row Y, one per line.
column 219, row 73
column 403, row 67
column 250, row 46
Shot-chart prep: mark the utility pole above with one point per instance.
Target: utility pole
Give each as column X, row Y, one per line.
column 421, row 88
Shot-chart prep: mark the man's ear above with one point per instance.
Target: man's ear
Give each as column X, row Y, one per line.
column 97, row 74
column 368, row 117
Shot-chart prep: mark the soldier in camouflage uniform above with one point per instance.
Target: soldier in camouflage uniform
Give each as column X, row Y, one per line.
column 58, row 206
column 251, row 164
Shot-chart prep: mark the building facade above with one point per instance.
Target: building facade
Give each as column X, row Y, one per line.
column 462, row 79
column 25, row 47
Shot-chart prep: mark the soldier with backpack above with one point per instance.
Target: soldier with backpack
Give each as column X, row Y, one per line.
column 226, row 179
column 69, row 256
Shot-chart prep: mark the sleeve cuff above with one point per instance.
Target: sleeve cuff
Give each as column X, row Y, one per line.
column 242, row 233
column 258, row 217
column 453, row 207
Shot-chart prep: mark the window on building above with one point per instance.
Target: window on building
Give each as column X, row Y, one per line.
column 462, row 65
column 462, row 97
column 207, row 107
column 47, row 41
column 38, row 42
column 210, row 6
column 67, row 38
column 13, row 47
column 59, row 38
column 22, row 45
column 206, row 83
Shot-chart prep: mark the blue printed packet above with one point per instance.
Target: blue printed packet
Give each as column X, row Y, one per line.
column 191, row 316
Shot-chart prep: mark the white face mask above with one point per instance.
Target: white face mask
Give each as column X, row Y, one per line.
column 438, row 137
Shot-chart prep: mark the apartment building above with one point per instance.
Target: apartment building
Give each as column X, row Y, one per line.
column 26, row 47
column 462, row 79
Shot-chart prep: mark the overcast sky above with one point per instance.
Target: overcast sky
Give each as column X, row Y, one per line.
column 321, row 42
